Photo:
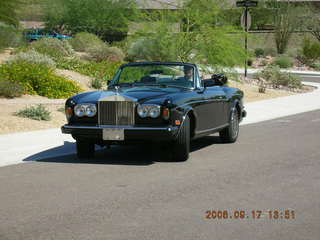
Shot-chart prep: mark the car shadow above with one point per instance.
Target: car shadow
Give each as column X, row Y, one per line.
column 137, row 155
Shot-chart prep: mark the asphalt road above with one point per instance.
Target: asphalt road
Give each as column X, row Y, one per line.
column 126, row 193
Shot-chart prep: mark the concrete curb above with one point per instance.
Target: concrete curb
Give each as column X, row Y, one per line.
column 34, row 146
column 302, row 73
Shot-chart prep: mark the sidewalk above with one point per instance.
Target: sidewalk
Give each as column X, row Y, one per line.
column 301, row 73
column 31, row 146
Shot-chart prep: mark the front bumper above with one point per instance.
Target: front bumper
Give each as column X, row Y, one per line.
column 244, row 113
column 131, row 133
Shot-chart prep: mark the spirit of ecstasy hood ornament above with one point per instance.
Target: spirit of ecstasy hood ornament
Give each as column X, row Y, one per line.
column 117, row 90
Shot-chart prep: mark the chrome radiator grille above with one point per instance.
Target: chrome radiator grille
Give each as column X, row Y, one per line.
column 116, row 113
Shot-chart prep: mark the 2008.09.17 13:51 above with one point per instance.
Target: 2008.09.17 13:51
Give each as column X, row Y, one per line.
column 254, row 214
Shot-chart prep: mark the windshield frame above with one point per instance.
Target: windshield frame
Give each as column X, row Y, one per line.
column 115, row 80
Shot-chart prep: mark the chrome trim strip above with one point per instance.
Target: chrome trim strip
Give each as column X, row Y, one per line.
column 169, row 129
column 212, row 129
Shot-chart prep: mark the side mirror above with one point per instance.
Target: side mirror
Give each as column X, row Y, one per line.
column 220, row 79
column 208, row 83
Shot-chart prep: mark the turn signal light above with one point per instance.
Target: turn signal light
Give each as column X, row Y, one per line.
column 177, row 122
column 69, row 112
column 166, row 113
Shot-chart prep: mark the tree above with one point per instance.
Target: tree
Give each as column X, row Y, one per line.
column 8, row 13
column 106, row 18
column 285, row 22
column 312, row 21
column 189, row 35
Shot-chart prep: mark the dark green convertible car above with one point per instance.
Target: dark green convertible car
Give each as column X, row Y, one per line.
column 162, row 102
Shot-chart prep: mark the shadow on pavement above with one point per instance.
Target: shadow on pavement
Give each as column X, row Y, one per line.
column 139, row 155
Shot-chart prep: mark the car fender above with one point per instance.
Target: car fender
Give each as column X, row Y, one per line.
column 188, row 110
column 236, row 105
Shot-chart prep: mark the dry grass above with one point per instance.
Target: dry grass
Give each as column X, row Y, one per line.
column 12, row 124
column 251, row 92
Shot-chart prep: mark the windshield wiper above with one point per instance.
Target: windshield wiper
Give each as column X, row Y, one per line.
column 164, row 85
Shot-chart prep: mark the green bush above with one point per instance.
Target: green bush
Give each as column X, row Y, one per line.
column 264, row 62
column 32, row 57
column 270, row 52
column 315, row 66
column 83, row 41
column 36, row 113
column 106, row 53
column 11, row 90
column 53, row 47
column 259, row 52
column 311, row 50
column 273, row 75
column 283, row 62
column 97, row 83
column 10, row 37
column 102, row 70
column 38, row 79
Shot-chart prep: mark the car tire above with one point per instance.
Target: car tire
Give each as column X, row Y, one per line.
column 231, row 133
column 181, row 146
column 85, row 149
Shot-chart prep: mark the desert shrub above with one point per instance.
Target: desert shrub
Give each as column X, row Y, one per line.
column 83, row 41
column 259, row 52
column 105, row 53
column 273, row 75
column 38, row 79
column 315, row 66
column 283, row 62
column 10, row 37
column 53, row 47
column 264, row 62
column 292, row 52
column 311, row 50
column 32, row 57
column 102, row 70
column 153, row 48
column 270, row 52
column 11, row 90
column 38, row 112
column 262, row 89
column 97, row 83
column 61, row 109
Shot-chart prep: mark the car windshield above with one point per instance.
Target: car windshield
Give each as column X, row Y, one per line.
column 164, row 75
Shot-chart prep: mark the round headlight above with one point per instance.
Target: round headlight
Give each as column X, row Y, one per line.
column 142, row 111
column 80, row 110
column 91, row 110
column 154, row 111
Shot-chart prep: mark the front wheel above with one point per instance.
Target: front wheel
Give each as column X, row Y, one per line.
column 85, row 149
column 181, row 146
column 231, row 133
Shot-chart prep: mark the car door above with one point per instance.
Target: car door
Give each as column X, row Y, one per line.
column 217, row 100
column 210, row 109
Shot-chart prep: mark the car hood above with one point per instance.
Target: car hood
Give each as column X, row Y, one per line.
column 140, row 94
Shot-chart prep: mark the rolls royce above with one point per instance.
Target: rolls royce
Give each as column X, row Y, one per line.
column 161, row 102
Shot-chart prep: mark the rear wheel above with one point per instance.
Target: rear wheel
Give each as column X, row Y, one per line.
column 85, row 149
column 181, row 146
column 231, row 133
